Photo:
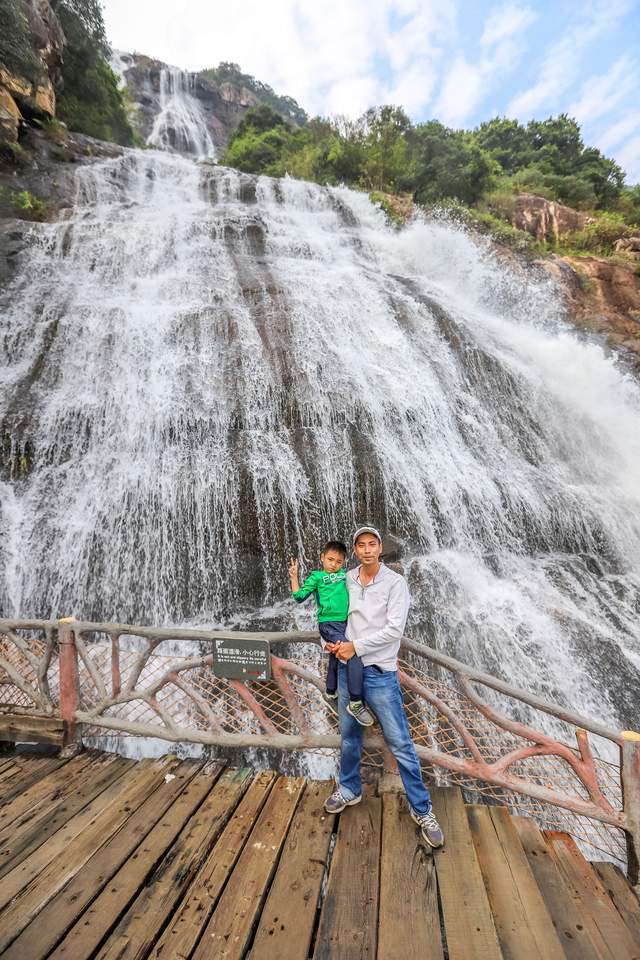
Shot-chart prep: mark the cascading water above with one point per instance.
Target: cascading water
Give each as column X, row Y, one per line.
column 179, row 125
column 206, row 373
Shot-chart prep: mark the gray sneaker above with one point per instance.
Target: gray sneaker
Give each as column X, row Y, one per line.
column 361, row 713
column 331, row 700
column 337, row 802
column 429, row 827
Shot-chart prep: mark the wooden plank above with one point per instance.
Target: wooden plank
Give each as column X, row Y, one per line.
column 289, row 914
column 469, row 926
column 20, row 844
column 9, row 770
column 26, row 870
column 187, row 924
column 46, row 790
column 52, row 922
column 229, row 930
column 91, row 929
column 564, row 910
column 598, row 908
column 521, row 918
column 48, row 804
column 348, row 918
column 117, row 803
column 140, row 927
column 34, row 770
column 27, row 728
column 622, row 895
column 409, row 920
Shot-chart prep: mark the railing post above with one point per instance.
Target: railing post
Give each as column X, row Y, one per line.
column 69, row 684
column 630, row 776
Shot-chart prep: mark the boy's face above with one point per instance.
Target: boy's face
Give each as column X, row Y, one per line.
column 332, row 561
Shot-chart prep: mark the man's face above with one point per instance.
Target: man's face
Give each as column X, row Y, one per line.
column 367, row 549
column 332, row 561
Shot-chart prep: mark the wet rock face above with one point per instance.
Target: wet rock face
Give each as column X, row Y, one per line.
column 46, row 169
column 602, row 296
column 546, row 220
column 222, row 106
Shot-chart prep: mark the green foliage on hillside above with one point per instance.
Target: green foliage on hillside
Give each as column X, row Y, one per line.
column 231, row 73
column 89, row 99
column 476, row 171
column 384, row 151
column 17, row 55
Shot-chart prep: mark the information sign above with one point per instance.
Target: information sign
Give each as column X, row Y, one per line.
column 242, row 659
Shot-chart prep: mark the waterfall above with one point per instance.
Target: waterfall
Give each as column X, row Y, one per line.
column 179, row 126
column 206, row 372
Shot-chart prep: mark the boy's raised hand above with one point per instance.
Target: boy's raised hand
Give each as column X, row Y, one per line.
column 293, row 569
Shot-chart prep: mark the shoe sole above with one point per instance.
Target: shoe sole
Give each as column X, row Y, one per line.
column 349, row 803
column 359, row 721
column 434, row 846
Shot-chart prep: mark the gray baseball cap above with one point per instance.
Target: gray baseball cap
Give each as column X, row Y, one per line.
column 362, row 530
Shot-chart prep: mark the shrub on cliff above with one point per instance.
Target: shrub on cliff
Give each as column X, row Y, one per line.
column 231, row 73
column 89, row 99
column 17, row 54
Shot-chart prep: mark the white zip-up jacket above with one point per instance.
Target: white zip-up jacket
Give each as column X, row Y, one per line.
column 377, row 616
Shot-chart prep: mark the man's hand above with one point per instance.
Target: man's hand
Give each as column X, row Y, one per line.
column 293, row 569
column 332, row 647
column 345, row 651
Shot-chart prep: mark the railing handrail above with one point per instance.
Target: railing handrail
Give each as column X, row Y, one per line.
column 66, row 641
column 312, row 636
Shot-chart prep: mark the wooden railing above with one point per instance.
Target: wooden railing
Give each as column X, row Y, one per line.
column 123, row 680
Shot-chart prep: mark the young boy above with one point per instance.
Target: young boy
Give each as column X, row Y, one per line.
column 329, row 588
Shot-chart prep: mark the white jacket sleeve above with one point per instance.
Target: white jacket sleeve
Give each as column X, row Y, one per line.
column 390, row 634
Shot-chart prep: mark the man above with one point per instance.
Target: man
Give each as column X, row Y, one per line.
column 378, row 608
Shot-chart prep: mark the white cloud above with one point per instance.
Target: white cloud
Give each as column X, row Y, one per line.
column 506, row 21
column 560, row 67
column 600, row 94
column 461, row 92
column 618, row 132
column 467, row 84
column 629, row 159
column 330, row 56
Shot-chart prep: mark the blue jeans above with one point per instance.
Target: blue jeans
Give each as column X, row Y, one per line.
column 383, row 695
column 333, row 631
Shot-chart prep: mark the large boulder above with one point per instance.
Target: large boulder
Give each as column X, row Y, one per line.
column 546, row 220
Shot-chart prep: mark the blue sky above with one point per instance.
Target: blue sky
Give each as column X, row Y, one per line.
column 455, row 60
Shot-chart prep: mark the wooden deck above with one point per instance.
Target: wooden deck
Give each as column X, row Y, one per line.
column 105, row 857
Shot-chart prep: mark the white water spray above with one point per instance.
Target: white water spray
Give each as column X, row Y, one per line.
column 206, row 373
column 179, row 126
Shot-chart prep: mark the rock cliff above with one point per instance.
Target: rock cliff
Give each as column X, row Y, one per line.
column 19, row 97
column 223, row 105
column 601, row 296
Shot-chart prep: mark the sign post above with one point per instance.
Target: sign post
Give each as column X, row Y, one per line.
column 242, row 659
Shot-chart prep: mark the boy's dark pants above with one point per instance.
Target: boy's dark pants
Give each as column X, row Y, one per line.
column 333, row 631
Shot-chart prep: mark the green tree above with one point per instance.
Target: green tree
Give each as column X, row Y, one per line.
column 387, row 152
column 449, row 163
column 89, row 99
column 507, row 141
